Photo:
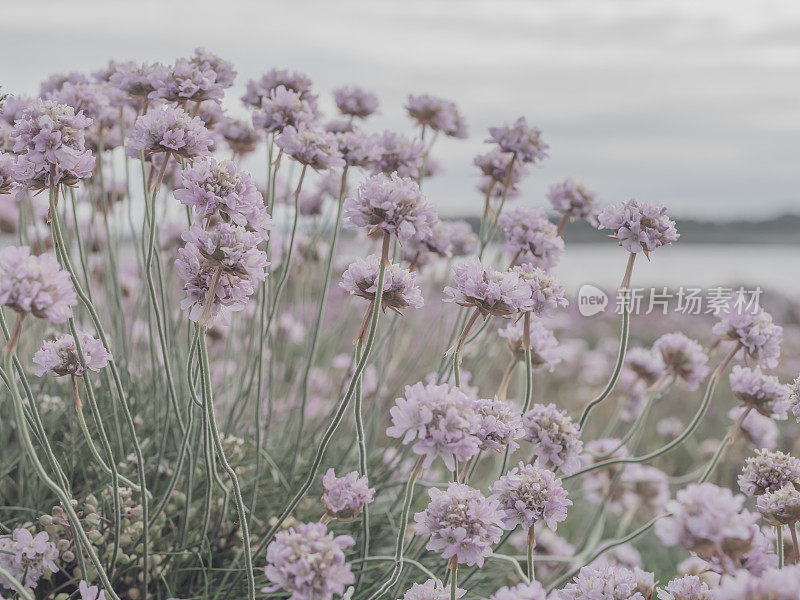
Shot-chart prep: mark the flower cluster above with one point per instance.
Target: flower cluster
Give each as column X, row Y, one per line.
column 607, row 582
column 523, row 141
column 432, row 589
column 308, row 562
column 497, row 293
column 400, row 289
column 169, row 129
column 544, row 346
column 393, row 205
column 529, row 493
column 345, row 497
column 688, row 587
column 291, row 80
column 555, row 438
column 774, row 584
column 50, row 140
column 437, row 114
column 781, row 507
column 754, row 330
column 573, row 201
column 441, row 419
column 500, row 424
column 683, row 357
column 638, row 227
column 546, row 291
column 646, row 364
column 60, row 356
column 201, row 77
column 281, row 108
column 399, row 154
column 461, row 523
column 530, row 236
column 769, row 471
column 763, row 393
column 521, row 591
column 26, row 557
column 35, row 284
column 355, row 102
column 311, row 147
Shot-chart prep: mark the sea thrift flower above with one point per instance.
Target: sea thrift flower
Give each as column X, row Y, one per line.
column 94, row 102
column 531, row 237
column 573, row 201
column 432, row 589
column 186, row 80
column 220, row 268
column 603, row 582
column 683, row 357
column 242, row 138
column 688, row 587
column 763, row 393
column 7, row 164
column 223, row 70
column 781, row 507
column 441, row 419
column 26, row 557
column 499, row 170
column 638, row 227
column 282, row 108
column 35, row 284
column 90, row 592
column 134, row 79
column 437, row 115
column 357, row 148
column 775, row 584
column 646, row 364
column 345, row 497
column 546, row 291
column 759, row 337
column 707, row 519
column 400, row 289
column 522, row 140
column 217, row 188
column 399, row 154
column 391, row 205
column 769, row 471
column 497, row 293
column 543, row 344
column 521, row 591
column 529, row 493
column 760, row 431
column 169, row 129
column 794, row 398
column 294, row 81
column 463, row 240
column 462, row 523
column 500, row 424
column 650, row 487
column 308, row 562
column 60, row 356
column 311, row 147
column 355, row 101
column 555, row 438
column 50, row 140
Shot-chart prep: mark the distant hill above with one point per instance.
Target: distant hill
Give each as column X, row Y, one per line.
column 784, row 229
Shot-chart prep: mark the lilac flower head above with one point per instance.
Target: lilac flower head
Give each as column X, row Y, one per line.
column 603, row 582
column 400, row 289
column 281, row 108
column 345, row 497
column 760, row 431
column 781, row 507
column 218, row 189
column 357, row 148
column 187, row 80
column 60, row 356
column 684, row 357
column 546, row 291
column 638, row 227
column 646, row 364
column 544, row 346
column 495, row 165
column 497, row 293
column 26, row 557
column 308, row 562
column 794, row 398
column 555, row 438
column 573, row 201
column 774, row 584
column 311, row 147
column 242, row 138
column 650, row 487
column 354, row 101
column 7, row 169
column 90, row 592
column 441, row 419
column 169, row 129
column 57, row 80
column 521, row 591
column 294, row 81
column 399, row 154
column 94, row 102
column 220, row 269
column 437, row 115
column 769, row 471
column 462, row 523
column 759, row 337
column 223, row 70
column 35, row 284
column 763, row 393
column 521, row 139
column 531, row 237
column 529, row 493
column 392, row 204
column 463, row 240
column 432, row 589
column 500, row 424
column 50, row 140
column 707, row 519
column 134, row 79
column 688, row 587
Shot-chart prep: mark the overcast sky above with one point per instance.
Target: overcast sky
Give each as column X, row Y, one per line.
column 693, row 103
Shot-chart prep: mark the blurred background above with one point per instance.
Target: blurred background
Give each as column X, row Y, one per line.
column 690, row 104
